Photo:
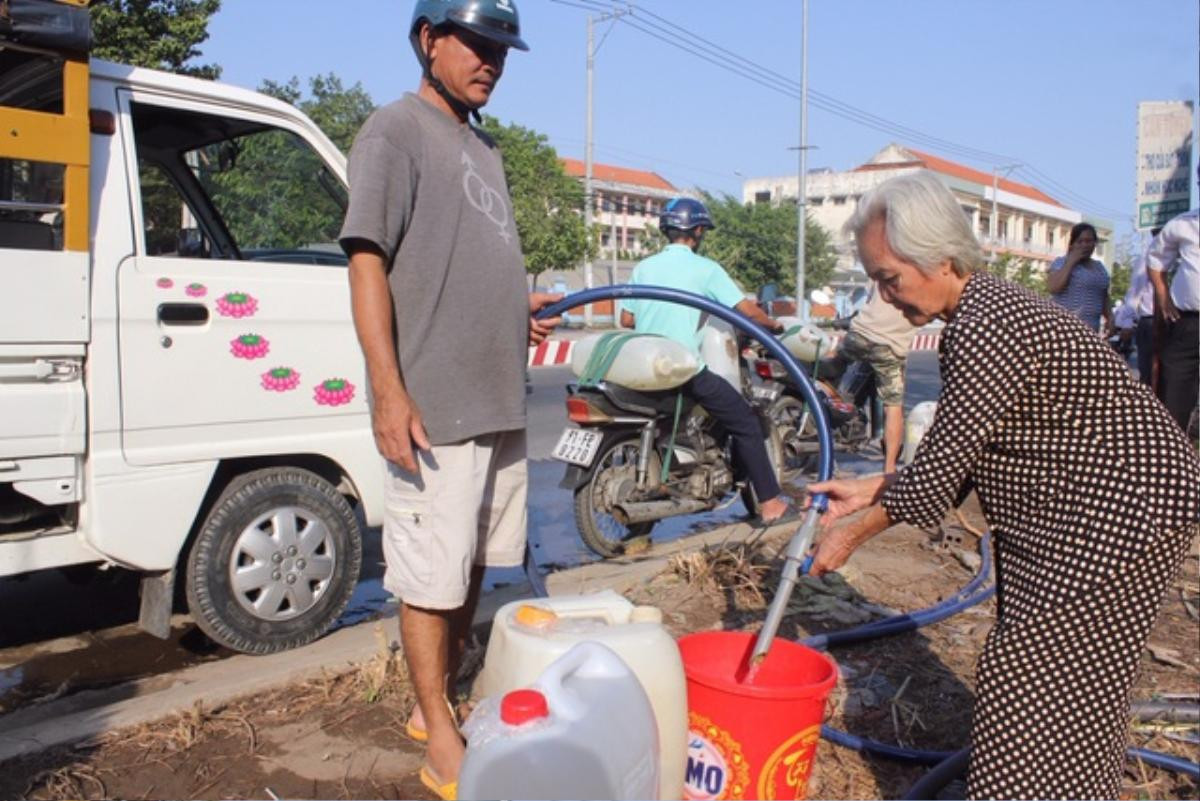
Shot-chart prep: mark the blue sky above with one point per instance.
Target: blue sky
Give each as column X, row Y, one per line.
column 1054, row 85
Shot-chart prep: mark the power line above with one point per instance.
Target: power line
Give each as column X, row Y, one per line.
column 681, row 38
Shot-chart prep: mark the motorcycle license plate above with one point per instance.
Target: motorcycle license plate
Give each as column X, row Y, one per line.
column 577, row 446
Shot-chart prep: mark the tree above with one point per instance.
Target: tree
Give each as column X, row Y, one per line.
column 546, row 201
column 162, row 34
column 336, row 110
column 756, row 243
column 1120, row 275
column 1020, row 271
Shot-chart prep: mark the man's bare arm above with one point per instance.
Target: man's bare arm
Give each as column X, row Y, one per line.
column 395, row 418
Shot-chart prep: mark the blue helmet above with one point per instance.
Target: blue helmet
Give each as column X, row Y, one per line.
column 492, row 19
column 684, row 213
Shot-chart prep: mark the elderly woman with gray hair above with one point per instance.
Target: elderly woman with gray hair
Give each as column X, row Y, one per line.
column 1090, row 489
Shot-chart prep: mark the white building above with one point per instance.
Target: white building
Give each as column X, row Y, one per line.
column 627, row 202
column 1030, row 224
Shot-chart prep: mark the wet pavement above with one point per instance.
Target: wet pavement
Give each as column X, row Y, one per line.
column 84, row 633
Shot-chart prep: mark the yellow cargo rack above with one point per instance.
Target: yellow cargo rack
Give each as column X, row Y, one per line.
column 47, row 136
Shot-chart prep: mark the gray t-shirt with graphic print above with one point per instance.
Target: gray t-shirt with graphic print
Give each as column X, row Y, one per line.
column 430, row 193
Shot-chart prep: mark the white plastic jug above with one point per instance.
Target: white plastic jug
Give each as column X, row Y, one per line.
column 645, row 362
column 918, row 422
column 529, row 635
column 584, row 730
column 718, row 349
column 803, row 340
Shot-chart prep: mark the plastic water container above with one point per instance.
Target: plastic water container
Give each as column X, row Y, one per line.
column 803, row 340
column 718, row 349
column 527, row 636
column 918, row 422
column 645, row 362
column 585, row 730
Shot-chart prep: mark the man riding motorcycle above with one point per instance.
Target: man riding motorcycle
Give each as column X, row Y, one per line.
column 684, row 222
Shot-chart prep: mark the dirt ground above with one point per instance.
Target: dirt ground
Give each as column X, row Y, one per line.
column 342, row 736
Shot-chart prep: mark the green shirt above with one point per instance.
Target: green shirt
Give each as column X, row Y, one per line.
column 677, row 267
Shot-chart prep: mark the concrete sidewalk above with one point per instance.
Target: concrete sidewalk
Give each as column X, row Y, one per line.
column 90, row 713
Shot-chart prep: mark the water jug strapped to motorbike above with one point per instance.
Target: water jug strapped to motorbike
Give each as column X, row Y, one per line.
column 847, row 391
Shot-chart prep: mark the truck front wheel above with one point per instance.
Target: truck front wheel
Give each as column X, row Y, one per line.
column 275, row 562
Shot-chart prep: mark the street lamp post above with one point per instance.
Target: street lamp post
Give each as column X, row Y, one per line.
column 588, row 194
column 994, row 227
column 801, row 190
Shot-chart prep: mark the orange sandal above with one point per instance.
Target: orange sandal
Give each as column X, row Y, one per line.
column 422, row 735
column 447, row 791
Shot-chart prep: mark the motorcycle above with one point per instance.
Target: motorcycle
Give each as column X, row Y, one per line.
column 847, row 394
column 635, row 457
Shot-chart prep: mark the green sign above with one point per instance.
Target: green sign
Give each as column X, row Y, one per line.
column 1152, row 215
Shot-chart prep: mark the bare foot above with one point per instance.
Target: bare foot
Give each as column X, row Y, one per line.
column 769, row 510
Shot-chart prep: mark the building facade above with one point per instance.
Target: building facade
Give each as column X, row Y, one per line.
column 1029, row 224
column 627, row 202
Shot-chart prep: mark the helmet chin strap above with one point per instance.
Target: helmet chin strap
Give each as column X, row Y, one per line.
column 460, row 108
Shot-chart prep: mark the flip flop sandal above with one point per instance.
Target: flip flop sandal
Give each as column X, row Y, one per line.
column 790, row 515
column 421, row 735
column 447, row 791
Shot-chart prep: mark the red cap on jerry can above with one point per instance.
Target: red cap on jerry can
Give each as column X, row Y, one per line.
column 522, row 706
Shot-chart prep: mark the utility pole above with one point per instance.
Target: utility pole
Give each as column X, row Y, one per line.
column 994, row 227
column 801, row 189
column 589, row 200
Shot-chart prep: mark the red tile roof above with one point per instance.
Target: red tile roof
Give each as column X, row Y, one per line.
column 947, row 167
column 620, row 175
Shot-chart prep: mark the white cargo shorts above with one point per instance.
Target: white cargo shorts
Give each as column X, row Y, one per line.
column 465, row 507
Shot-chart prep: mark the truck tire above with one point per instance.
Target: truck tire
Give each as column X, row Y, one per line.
column 275, row 562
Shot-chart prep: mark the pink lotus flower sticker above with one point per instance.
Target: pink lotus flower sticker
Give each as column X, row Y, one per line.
column 280, row 379
column 196, row 290
column 164, row 283
column 334, row 392
column 237, row 304
column 249, row 346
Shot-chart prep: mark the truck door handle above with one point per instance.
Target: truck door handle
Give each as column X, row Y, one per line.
column 182, row 313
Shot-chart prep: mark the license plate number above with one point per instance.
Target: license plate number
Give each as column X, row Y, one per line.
column 577, row 446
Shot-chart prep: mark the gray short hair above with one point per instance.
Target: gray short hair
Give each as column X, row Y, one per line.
column 924, row 223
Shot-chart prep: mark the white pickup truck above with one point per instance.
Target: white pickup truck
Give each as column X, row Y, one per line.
column 181, row 391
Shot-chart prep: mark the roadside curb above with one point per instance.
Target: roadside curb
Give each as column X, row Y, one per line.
column 95, row 712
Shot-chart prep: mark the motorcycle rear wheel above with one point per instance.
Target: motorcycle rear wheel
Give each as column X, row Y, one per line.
column 615, row 475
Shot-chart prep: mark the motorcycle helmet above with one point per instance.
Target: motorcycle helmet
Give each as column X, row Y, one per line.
column 684, row 213
column 496, row 20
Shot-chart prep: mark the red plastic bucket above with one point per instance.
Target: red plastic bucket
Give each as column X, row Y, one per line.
column 752, row 740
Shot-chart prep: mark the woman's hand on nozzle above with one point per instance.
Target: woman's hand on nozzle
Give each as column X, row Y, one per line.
column 846, row 496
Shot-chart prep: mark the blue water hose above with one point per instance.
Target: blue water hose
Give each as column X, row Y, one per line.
column 947, row 762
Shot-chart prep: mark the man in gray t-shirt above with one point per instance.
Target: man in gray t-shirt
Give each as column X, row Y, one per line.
column 443, row 315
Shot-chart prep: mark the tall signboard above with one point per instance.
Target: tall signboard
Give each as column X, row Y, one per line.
column 1164, row 161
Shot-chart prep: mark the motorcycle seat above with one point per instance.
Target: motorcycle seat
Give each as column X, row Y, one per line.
column 655, row 402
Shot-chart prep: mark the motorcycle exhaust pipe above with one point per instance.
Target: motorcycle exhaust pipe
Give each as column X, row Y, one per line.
column 645, row 511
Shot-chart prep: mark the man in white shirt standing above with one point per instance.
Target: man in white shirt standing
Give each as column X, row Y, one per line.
column 1177, row 307
column 1135, row 317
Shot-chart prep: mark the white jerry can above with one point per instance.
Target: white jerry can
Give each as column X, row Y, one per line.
column 527, row 636
column 918, row 422
column 583, row 730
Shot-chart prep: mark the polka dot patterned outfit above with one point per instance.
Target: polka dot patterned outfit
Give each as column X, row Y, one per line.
column 1092, row 494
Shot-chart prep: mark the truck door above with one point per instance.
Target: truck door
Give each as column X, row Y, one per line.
column 44, row 297
column 235, row 329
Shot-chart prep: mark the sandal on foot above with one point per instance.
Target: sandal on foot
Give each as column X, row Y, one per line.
column 790, row 515
column 422, row 735
column 447, row 791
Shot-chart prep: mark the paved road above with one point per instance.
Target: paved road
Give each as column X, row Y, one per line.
column 84, row 634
